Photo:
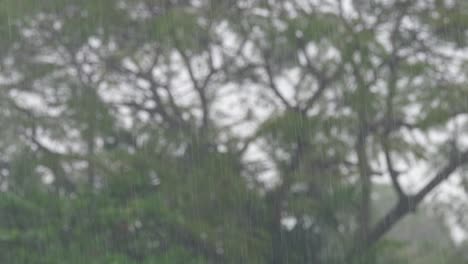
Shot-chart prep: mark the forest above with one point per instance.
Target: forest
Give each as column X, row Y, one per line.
column 234, row 131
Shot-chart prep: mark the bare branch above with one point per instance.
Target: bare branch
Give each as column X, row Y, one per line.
column 405, row 206
column 200, row 89
column 273, row 86
column 393, row 173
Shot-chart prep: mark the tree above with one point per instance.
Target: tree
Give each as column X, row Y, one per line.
column 133, row 129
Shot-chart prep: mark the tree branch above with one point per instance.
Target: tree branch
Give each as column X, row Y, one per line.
column 404, row 206
column 393, row 173
column 274, row 87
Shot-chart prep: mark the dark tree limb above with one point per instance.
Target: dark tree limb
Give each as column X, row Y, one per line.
column 274, row 87
column 200, row 88
column 323, row 80
column 391, row 169
column 409, row 204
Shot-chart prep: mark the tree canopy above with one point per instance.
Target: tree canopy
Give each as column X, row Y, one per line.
column 221, row 131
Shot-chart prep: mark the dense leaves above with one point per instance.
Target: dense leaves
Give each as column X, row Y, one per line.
column 230, row 131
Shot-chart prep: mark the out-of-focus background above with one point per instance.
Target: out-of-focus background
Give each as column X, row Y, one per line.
column 223, row 131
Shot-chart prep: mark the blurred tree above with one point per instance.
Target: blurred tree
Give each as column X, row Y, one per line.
column 226, row 131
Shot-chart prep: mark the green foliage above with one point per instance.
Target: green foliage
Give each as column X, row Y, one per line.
column 451, row 23
column 120, row 156
column 315, row 28
column 179, row 28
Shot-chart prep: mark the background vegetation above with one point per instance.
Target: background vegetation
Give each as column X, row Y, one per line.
column 221, row 131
